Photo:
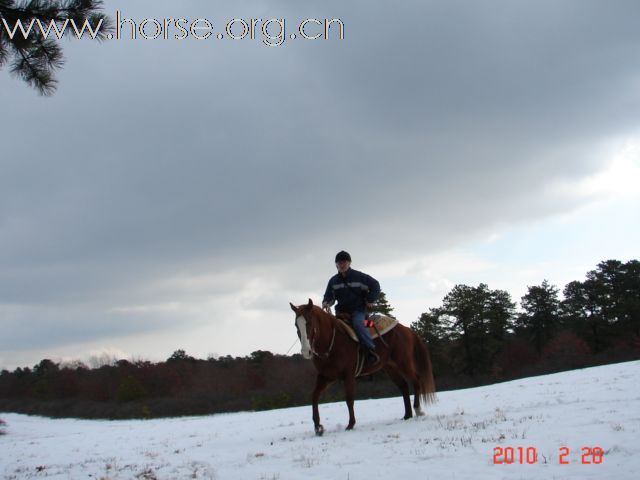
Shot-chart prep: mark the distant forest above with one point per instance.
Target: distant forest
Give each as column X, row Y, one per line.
column 477, row 336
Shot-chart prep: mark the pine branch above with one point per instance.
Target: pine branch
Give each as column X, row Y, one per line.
column 4, row 54
column 36, row 65
column 35, row 58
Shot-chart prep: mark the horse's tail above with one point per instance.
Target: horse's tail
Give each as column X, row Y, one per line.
column 426, row 384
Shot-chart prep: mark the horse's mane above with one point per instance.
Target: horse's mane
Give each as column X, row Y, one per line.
column 334, row 321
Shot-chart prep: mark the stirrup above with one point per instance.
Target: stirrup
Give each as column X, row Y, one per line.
column 372, row 358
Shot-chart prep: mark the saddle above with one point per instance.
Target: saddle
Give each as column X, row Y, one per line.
column 376, row 323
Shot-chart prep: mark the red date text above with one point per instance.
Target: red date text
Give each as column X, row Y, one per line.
column 529, row 455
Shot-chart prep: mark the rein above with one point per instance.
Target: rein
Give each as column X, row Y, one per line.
column 313, row 343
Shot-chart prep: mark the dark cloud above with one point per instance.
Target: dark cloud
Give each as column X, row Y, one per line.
column 157, row 159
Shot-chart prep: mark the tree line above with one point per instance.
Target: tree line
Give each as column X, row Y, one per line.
column 476, row 336
column 479, row 332
column 181, row 385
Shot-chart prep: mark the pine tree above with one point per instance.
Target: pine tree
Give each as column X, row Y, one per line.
column 382, row 306
column 34, row 58
column 541, row 317
column 477, row 320
column 606, row 305
column 431, row 329
column 180, row 356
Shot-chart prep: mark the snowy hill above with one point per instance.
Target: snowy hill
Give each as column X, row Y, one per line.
column 545, row 427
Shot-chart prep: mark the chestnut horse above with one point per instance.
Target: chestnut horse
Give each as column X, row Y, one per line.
column 403, row 356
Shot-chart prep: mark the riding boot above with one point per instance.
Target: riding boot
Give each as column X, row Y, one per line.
column 372, row 357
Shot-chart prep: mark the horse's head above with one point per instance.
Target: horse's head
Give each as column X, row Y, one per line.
column 306, row 321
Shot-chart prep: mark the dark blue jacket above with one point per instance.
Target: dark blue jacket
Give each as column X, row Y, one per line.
column 352, row 291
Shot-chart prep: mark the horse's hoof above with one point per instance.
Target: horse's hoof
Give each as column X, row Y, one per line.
column 319, row 430
column 350, row 426
column 407, row 417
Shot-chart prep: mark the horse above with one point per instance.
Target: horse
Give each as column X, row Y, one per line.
column 403, row 356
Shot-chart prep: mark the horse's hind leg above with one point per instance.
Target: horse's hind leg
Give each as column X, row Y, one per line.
column 321, row 385
column 350, row 394
column 404, row 389
column 416, row 399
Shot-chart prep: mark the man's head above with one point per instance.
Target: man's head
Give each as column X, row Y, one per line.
column 343, row 261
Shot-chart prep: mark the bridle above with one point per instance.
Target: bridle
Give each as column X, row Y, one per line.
column 312, row 337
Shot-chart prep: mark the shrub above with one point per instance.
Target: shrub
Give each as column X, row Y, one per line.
column 279, row 400
column 130, row 389
column 566, row 350
column 515, row 359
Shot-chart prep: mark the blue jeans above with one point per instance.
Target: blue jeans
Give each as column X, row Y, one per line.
column 357, row 322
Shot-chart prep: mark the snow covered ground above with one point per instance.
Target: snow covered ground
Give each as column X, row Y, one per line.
column 564, row 417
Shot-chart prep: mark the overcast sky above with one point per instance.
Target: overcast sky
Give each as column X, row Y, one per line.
column 178, row 194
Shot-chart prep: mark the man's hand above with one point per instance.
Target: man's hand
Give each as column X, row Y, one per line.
column 326, row 306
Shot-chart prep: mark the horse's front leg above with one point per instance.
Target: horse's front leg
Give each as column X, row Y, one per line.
column 350, row 393
column 321, row 385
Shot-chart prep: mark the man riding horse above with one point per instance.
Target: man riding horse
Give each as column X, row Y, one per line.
column 355, row 292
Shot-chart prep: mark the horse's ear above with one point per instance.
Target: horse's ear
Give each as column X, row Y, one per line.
column 293, row 307
column 310, row 304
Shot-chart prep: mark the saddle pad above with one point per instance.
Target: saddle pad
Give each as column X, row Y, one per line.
column 382, row 322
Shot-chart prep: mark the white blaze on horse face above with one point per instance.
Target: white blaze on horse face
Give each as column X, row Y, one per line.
column 304, row 340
